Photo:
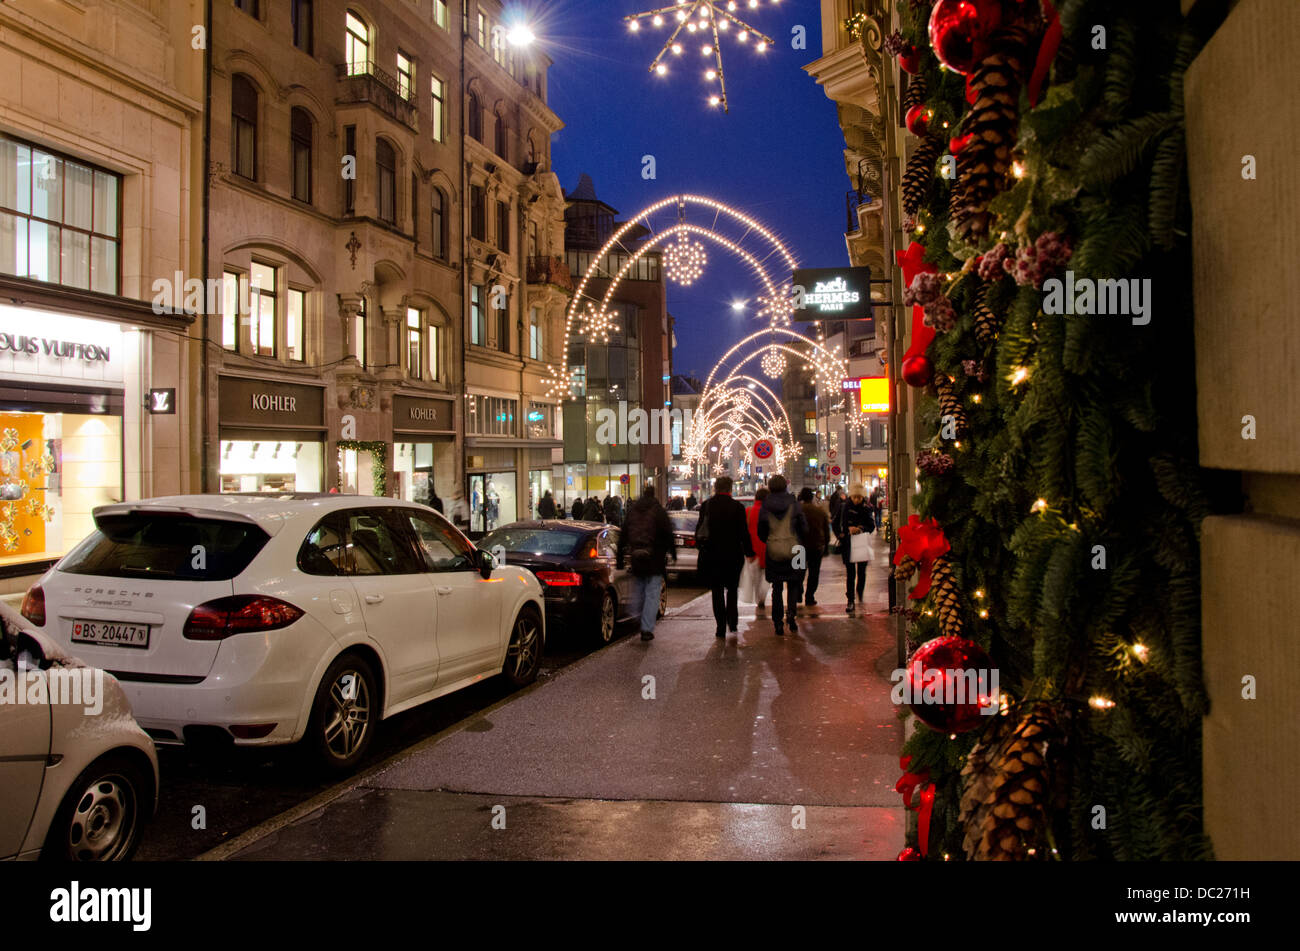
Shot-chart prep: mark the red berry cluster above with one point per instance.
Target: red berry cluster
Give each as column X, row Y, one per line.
column 1036, row 262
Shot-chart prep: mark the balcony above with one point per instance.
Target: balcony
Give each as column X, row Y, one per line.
column 368, row 83
column 549, row 270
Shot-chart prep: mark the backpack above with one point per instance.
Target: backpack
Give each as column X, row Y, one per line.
column 781, row 538
column 640, row 530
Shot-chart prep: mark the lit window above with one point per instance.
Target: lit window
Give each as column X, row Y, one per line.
column 534, row 334
column 476, row 323
column 357, row 46
column 359, row 333
column 230, row 310
column 440, row 13
column 413, row 348
column 295, row 326
column 434, row 361
column 405, row 76
column 261, row 308
column 482, row 29
column 439, row 108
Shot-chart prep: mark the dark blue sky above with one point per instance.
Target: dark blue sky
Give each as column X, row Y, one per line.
column 776, row 156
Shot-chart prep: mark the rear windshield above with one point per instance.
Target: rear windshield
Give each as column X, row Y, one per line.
column 684, row 520
column 537, row 541
column 167, row 547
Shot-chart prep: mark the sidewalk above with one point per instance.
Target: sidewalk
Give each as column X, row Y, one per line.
column 586, row 766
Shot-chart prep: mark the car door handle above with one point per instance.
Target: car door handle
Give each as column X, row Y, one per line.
column 444, row 589
column 374, row 598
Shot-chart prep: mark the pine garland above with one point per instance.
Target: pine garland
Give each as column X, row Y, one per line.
column 919, row 172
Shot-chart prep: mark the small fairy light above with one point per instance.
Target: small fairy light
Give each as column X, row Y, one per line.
column 634, row 26
column 691, row 27
column 1031, row 851
column 957, row 444
column 979, row 594
column 1039, row 506
column 952, row 736
column 1019, row 375
column 1101, row 703
column 1018, row 169
column 714, row 100
column 661, row 69
column 1141, row 652
column 977, row 398
column 1004, row 704
column 929, row 613
column 984, row 613
column 710, row 75
column 677, row 49
column 920, row 228
column 946, row 857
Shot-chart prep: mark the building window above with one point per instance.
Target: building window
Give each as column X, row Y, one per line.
column 500, row 134
column 440, row 13
column 301, row 14
column 386, row 165
column 503, row 324
column 534, row 334
column 261, row 308
column 477, row 213
column 230, row 310
column 532, row 239
column 415, row 208
column 532, row 149
column 300, row 133
column 492, row 415
column 499, row 46
column 481, row 36
column 435, row 363
column 503, row 225
column 350, row 184
column 477, row 324
column 439, row 108
column 252, row 7
column 810, row 423
column 59, row 219
column 243, row 126
column 357, row 45
column 359, row 332
column 439, row 234
column 405, row 76
column 474, row 117
column 413, row 342
column 540, row 421
column 295, row 325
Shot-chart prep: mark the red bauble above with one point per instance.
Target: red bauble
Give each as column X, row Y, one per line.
column 940, row 692
column 909, row 854
column 910, row 61
column 960, row 29
column 918, row 371
column 918, row 119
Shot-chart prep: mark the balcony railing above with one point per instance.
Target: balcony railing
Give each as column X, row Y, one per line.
column 549, row 270
column 368, row 83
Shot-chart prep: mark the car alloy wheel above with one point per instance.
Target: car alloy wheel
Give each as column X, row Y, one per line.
column 343, row 718
column 99, row 820
column 608, row 617
column 524, row 655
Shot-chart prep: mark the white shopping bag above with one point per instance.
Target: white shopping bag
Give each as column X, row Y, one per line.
column 859, row 548
column 753, row 585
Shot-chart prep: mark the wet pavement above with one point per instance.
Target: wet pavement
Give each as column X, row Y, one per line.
column 686, row 747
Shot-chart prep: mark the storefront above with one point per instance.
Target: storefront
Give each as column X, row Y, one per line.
column 424, row 449
column 65, row 385
column 272, row 436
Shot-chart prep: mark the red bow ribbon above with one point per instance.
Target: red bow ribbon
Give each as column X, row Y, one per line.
column 912, row 261
column 925, row 807
column 1046, row 52
column 923, row 542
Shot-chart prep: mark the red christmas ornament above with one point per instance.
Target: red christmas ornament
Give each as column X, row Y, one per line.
column 917, row 371
column 949, row 683
column 909, row 854
column 960, row 29
column 909, row 61
column 918, row 119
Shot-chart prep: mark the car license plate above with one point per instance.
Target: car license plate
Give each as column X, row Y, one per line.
column 110, row 633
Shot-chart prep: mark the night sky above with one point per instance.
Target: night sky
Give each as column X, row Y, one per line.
column 776, row 156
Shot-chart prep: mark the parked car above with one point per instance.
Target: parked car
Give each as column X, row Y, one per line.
column 78, row 780
column 688, row 556
column 575, row 562
column 270, row 619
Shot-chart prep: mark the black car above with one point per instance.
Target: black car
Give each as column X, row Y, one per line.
column 575, row 562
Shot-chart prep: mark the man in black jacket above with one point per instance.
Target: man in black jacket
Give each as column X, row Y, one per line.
column 644, row 544
column 722, row 539
column 783, row 528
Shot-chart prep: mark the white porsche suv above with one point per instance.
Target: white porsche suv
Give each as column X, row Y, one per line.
column 276, row 618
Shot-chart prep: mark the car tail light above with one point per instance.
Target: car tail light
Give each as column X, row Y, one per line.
column 240, row 614
column 560, row 579
column 34, row 605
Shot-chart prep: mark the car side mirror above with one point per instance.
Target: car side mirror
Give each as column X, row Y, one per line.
column 485, row 562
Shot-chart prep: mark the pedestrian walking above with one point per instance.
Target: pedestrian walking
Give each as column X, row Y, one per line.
column 645, row 544
column 782, row 527
column 613, row 509
column 818, row 537
column 760, row 550
column 577, row 508
column 435, row 503
column 855, row 519
column 458, row 511
column 546, row 507
column 836, row 503
column 591, row 510
column 722, row 539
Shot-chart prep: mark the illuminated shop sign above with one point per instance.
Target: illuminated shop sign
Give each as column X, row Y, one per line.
column 873, row 394
column 44, row 344
column 839, row 293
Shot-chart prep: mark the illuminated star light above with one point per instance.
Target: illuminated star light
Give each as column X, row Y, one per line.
column 704, row 20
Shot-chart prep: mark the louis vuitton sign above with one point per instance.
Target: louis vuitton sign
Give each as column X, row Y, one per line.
column 420, row 415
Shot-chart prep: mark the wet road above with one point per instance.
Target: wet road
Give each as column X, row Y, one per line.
column 209, row 797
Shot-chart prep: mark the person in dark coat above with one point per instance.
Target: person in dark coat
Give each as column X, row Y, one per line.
column 691, row 502
column 836, row 503
column 546, row 507
column 722, row 552
column 435, row 503
column 818, row 537
column 591, row 511
column 855, row 519
column 645, row 544
column 779, row 508
column 577, row 508
column 613, row 509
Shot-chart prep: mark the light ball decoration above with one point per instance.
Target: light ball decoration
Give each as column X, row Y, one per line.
column 773, row 362
column 684, row 260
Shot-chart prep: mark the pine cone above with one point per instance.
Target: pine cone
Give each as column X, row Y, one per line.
column 1026, row 793
column 947, row 598
column 915, row 94
column 986, row 322
column 904, row 570
column 990, row 128
column 978, row 778
column 950, row 405
column 920, row 169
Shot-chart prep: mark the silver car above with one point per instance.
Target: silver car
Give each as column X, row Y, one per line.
column 688, row 556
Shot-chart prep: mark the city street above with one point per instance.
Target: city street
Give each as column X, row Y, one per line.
column 737, row 735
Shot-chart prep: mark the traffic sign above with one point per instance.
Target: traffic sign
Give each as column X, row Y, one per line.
column 624, row 478
column 763, row 449
column 831, row 454
column 836, row 470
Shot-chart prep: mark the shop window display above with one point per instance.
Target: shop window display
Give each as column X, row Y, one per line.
column 492, row 501
column 271, row 465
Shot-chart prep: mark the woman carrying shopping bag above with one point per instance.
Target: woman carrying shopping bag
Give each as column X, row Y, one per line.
column 853, row 523
column 754, row 583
